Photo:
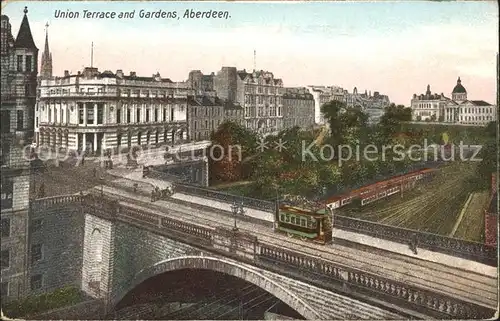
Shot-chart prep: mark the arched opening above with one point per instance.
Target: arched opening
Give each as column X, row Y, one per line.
column 197, row 287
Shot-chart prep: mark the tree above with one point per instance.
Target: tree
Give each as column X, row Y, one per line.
column 393, row 118
column 232, row 144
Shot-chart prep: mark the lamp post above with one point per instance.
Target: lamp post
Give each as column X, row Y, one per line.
column 235, row 209
column 102, row 186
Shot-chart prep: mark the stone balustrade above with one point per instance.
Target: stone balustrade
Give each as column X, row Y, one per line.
column 461, row 248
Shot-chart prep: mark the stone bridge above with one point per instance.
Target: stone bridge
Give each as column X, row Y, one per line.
column 124, row 245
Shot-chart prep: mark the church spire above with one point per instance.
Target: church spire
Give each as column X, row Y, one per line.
column 46, row 68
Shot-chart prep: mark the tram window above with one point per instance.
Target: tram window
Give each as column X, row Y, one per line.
column 303, row 222
column 293, row 220
column 287, row 218
column 282, row 217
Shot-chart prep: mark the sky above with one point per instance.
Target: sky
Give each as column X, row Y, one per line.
column 396, row 48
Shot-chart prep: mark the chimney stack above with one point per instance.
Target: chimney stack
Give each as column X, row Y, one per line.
column 66, row 73
column 119, row 73
column 132, row 74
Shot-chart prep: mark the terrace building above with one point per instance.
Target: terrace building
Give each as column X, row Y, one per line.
column 19, row 61
column 95, row 111
column 259, row 93
column 298, row 108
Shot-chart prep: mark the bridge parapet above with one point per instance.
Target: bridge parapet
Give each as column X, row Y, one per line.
column 247, row 248
column 48, row 202
column 249, row 202
column 334, row 276
column 461, row 248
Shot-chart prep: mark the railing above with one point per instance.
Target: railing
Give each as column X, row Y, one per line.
column 322, row 273
column 314, row 270
column 225, row 197
column 43, row 203
column 466, row 249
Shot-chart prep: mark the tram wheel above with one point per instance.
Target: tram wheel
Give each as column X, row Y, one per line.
column 303, row 238
column 290, row 235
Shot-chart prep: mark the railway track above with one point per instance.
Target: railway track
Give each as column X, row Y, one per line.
column 470, row 286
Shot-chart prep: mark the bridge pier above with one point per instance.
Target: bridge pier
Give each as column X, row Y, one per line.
column 98, row 247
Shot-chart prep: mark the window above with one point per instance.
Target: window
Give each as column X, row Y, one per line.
column 36, row 253
column 28, row 63
column 5, row 259
column 206, row 124
column 138, row 116
column 20, row 120
column 100, row 114
column 36, row 225
column 195, row 125
column 164, row 114
column 5, row 121
column 156, row 115
column 36, row 282
column 118, row 115
column 90, row 114
column 36, row 121
column 81, row 113
column 4, row 157
column 19, row 63
column 7, row 188
column 5, row 289
column 147, row 115
column 27, row 90
column 5, row 227
column 128, row 115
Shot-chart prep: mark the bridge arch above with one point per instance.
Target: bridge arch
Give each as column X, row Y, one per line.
column 223, row 266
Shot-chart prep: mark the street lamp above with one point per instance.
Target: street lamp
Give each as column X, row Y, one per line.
column 235, row 209
column 102, row 186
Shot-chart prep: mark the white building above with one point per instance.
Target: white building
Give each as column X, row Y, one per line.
column 457, row 110
column 95, row 111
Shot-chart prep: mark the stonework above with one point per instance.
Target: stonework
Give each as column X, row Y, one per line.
column 19, row 59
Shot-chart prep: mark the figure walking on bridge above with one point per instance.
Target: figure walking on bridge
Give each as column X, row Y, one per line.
column 414, row 243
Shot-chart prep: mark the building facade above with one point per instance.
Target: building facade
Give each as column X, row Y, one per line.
column 19, row 61
column 373, row 105
column 95, row 111
column 205, row 114
column 298, row 108
column 259, row 93
column 457, row 110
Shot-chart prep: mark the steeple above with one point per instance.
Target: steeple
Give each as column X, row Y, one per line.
column 46, row 68
column 24, row 38
column 428, row 92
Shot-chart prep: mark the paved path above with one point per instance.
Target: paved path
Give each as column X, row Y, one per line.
column 480, row 288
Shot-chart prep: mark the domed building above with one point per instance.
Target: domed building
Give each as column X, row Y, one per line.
column 458, row 109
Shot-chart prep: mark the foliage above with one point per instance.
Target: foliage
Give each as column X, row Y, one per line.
column 392, row 120
column 238, row 144
column 48, row 301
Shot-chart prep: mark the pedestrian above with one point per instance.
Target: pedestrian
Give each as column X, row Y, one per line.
column 414, row 244
column 153, row 195
column 83, row 159
column 94, row 171
column 135, row 187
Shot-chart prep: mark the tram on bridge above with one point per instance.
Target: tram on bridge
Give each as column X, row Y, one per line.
column 305, row 220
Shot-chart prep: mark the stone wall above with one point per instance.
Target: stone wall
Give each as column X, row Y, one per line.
column 136, row 249
column 59, row 230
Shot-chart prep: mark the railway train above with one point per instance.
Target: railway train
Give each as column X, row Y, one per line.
column 314, row 223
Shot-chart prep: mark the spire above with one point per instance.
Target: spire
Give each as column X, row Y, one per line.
column 24, row 38
column 46, row 67
column 459, row 81
column 46, row 49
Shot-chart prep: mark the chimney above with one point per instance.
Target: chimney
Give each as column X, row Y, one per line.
column 119, row 73
column 79, row 73
column 66, row 73
column 133, row 74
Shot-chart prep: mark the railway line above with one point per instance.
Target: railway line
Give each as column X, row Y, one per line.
column 470, row 286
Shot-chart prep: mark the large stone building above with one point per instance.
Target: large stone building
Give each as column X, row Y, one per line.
column 259, row 93
column 298, row 108
column 95, row 111
column 19, row 61
column 205, row 114
column 457, row 110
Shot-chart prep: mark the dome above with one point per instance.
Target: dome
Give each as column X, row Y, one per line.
column 459, row 89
